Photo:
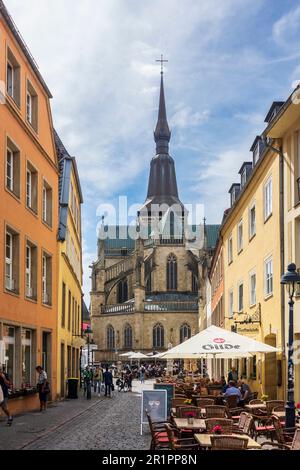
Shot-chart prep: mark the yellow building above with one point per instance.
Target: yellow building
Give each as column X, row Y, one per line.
column 69, row 328
column 284, row 129
column 253, row 265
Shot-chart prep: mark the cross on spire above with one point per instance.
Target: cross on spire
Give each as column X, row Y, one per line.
column 162, row 61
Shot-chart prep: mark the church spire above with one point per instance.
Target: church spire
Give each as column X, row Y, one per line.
column 162, row 133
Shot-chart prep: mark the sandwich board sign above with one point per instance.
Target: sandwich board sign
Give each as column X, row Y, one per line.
column 155, row 403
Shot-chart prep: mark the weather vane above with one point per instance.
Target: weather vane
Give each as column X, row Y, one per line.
column 162, row 60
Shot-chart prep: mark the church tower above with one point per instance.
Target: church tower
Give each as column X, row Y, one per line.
column 146, row 293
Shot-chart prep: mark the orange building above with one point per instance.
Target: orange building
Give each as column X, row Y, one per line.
column 28, row 219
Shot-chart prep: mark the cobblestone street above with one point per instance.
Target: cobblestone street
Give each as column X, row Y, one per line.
column 102, row 423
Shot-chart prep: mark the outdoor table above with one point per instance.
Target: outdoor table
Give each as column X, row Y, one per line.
column 182, row 423
column 204, row 440
column 258, row 406
column 279, row 414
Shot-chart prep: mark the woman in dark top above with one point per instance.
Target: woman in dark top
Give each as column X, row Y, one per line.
column 5, row 384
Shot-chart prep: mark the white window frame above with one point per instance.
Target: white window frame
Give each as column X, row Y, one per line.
column 230, row 303
column 268, row 276
column 29, row 107
column 268, row 198
column 240, row 236
column 230, row 250
column 10, row 165
column 9, row 262
column 256, row 154
column 240, row 310
column 9, row 64
column 44, row 203
column 28, row 271
column 252, row 296
column 28, row 188
column 252, row 228
column 44, row 279
column 243, row 177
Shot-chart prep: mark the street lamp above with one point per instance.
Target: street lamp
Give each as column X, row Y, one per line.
column 290, row 279
column 88, row 333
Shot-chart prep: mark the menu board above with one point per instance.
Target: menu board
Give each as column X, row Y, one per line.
column 155, row 403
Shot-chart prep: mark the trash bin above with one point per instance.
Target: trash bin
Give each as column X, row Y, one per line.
column 73, row 388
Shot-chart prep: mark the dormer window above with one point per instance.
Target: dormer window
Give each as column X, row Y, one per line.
column 256, row 154
column 244, row 177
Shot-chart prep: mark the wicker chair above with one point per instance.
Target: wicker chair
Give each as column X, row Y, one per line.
column 294, row 445
column 215, row 411
column 174, row 443
column 182, row 411
column 204, row 402
column 232, row 401
column 229, row 443
column 178, row 402
column 271, row 404
column 245, row 424
column 226, row 424
column 159, row 436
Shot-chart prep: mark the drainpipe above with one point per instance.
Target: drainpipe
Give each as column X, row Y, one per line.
column 281, row 222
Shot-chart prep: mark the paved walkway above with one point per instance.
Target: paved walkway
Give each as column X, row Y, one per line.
column 100, row 423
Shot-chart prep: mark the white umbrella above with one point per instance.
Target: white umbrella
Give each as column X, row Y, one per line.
column 126, row 354
column 217, row 342
column 138, row 355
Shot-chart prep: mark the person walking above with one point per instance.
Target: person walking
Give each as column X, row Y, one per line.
column 87, row 382
column 43, row 387
column 98, row 380
column 142, row 374
column 4, row 386
column 108, row 381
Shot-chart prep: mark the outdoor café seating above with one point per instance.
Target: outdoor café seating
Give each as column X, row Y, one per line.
column 177, row 443
column 229, row 443
column 215, row 411
column 293, row 445
column 225, row 424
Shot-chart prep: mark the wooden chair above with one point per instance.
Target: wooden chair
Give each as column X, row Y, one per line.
column 226, row 424
column 228, row 442
column 179, row 444
column 215, row 411
column 263, row 425
column 204, row 402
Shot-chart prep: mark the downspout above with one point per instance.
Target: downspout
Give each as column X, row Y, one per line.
column 281, row 223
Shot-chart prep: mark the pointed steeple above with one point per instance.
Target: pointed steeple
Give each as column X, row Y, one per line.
column 162, row 133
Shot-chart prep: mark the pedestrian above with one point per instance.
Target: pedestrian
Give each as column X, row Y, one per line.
column 98, row 380
column 5, row 383
column 233, row 375
column 87, row 380
column 142, row 374
column 108, row 381
column 43, row 387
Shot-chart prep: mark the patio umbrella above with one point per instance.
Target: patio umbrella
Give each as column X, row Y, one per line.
column 126, row 354
column 219, row 343
column 138, row 355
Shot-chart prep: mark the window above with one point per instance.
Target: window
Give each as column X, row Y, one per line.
column 256, row 154
column 230, row 303
column 69, row 310
column 13, row 86
column 240, row 297
column 12, row 168
column 185, row 332
column 128, row 337
column 46, row 279
column 47, row 204
column 268, row 199
column 230, row 253
column 172, row 272
column 9, row 345
column 32, row 106
column 252, row 289
column 240, row 236
column 158, row 337
column 11, row 261
column 244, row 178
column 110, row 338
column 31, row 271
column 122, row 291
column 268, row 277
column 63, row 305
column 252, row 221
column 31, row 187
column 26, row 357
column 194, row 283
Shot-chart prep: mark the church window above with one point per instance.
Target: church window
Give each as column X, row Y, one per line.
column 110, row 338
column 122, row 291
column 185, row 332
column 172, row 272
column 128, row 337
column 158, row 336
column 194, row 283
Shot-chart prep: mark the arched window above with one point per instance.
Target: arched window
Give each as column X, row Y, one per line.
column 110, row 338
column 185, row 332
column 128, row 337
column 158, row 336
column 122, row 291
column 194, row 283
column 172, row 272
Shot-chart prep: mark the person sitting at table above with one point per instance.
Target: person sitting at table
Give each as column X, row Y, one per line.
column 233, row 390
column 245, row 391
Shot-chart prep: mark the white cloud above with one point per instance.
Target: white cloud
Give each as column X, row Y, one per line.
column 186, row 117
column 286, row 30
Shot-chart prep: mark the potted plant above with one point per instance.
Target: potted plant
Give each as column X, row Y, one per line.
column 190, row 417
column 188, row 401
column 217, row 430
column 264, row 397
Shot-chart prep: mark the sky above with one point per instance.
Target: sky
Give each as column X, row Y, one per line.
column 228, row 61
